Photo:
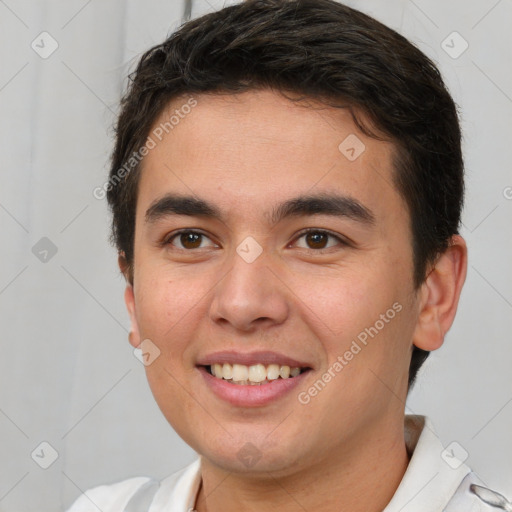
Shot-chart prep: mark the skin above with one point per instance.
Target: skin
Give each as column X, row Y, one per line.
column 345, row 449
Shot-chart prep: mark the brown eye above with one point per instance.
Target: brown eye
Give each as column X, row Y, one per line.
column 188, row 240
column 318, row 239
column 191, row 240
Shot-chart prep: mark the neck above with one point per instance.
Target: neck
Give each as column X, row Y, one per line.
column 361, row 479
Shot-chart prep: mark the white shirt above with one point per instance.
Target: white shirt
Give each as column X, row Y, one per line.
column 435, row 481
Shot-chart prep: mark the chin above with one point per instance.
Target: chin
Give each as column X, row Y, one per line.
column 243, row 456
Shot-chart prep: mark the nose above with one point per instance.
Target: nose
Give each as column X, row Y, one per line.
column 250, row 296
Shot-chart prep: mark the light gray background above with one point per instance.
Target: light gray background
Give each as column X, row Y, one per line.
column 67, row 373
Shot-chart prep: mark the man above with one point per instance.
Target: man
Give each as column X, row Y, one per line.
column 286, row 190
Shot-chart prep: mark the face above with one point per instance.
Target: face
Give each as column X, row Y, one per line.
column 293, row 249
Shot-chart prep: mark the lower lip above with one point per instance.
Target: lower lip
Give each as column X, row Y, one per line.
column 251, row 396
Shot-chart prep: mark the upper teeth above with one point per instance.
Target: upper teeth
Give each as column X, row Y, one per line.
column 256, row 373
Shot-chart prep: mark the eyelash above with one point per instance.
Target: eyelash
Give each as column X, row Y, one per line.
column 342, row 242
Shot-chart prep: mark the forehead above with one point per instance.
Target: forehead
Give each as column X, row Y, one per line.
column 257, row 146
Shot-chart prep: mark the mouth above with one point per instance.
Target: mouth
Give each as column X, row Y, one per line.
column 252, row 380
column 253, row 375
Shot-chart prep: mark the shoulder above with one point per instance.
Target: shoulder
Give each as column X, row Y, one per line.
column 108, row 498
column 129, row 494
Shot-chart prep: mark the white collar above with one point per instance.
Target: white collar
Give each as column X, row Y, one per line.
column 428, row 483
column 178, row 492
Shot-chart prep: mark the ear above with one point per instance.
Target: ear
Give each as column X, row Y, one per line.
column 129, row 299
column 439, row 296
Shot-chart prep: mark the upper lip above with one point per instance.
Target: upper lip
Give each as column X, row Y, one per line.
column 251, row 358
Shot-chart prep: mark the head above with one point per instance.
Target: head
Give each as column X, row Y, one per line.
column 349, row 127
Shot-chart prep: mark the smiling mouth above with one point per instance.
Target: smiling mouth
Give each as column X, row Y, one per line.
column 253, row 375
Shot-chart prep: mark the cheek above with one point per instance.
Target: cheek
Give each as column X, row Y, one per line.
column 341, row 302
column 362, row 316
column 164, row 302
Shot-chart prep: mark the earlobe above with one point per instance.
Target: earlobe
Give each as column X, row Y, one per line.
column 439, row 296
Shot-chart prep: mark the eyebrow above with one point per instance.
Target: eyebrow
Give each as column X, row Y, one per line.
column 320, row 204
